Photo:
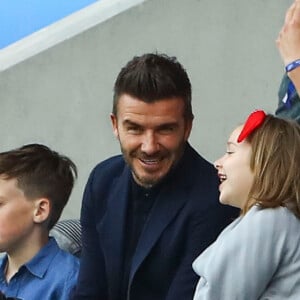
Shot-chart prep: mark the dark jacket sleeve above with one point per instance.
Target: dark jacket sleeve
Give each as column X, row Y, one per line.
column 204, row 230
column 91, row 280
column 288, row 101
column 206, row 218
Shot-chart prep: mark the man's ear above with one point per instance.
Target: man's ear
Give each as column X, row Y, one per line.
column 41, row 210
column 188, row 129
column 114, row 123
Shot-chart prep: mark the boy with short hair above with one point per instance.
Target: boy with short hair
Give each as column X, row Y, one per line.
column 35, row 185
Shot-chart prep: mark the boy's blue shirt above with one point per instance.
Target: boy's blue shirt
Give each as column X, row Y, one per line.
column 50, row 275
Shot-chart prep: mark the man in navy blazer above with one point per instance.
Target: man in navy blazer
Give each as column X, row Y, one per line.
column 147, row 214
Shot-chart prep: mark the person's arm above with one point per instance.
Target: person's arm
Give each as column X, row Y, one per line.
column 288, row 43
column 242, row 262
column 288, row 101
column 91, row 284
column 203, row 230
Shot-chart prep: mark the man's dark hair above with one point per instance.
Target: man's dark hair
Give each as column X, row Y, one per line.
column 152, row 77
column 41, row 173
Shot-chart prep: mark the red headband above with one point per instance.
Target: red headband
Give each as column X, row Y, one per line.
column 254, row 120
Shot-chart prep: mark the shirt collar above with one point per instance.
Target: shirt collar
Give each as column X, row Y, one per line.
column 39, row 264
column 2, row 266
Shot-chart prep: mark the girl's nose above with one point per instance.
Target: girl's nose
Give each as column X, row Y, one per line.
column 217, row 164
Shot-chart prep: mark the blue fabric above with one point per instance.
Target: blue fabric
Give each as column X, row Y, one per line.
column 293, row 65
column 288, row 100
column 50, row 275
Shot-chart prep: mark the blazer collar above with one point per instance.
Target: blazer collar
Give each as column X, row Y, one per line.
column 166, row 207
column 171, row 198
column 112, row 230
column 169, row 201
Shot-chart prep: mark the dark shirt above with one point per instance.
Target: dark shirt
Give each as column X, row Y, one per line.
column 139, row 207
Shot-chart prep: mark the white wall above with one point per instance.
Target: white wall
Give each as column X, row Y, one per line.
column 62, row 97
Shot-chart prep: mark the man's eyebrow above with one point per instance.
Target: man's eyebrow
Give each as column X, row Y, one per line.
column 163, row 125
column 129, row 122
column 168, row 124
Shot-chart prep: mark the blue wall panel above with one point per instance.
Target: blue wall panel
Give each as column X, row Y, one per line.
column 21, row 18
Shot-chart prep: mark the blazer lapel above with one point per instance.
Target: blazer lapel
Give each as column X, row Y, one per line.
column 170, row 200
column 112, row 231
column 166, row 206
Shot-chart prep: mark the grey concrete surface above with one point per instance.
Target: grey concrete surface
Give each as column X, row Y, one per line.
column 62, row 96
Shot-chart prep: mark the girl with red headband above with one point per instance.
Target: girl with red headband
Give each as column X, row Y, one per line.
column 258, row 255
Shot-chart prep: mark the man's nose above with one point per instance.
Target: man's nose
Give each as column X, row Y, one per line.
column 150, row 144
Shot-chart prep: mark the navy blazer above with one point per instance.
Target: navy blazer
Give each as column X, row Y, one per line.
column 185, row 219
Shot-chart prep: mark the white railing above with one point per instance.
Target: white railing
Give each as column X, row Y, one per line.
column 62, row 30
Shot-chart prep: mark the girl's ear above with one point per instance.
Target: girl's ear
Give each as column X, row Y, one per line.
column 41, row 210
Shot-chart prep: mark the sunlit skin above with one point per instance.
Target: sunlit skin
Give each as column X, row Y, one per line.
column 19, row 235
column 15, row 215
column 234, row 171
column 152, row 136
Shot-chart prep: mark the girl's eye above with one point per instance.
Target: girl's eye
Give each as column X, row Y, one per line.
column 229, row 152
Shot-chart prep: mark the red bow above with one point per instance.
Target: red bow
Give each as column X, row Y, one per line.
column 254, row 120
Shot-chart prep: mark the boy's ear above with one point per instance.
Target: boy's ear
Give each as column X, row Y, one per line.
column 41, row 210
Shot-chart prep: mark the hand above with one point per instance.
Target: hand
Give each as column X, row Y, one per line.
column 288, row 41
